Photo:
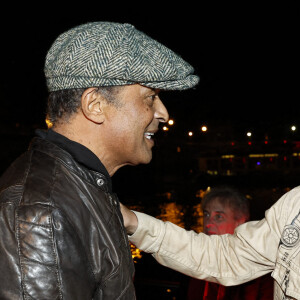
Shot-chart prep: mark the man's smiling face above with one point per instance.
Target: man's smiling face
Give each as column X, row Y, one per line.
column 131, row 124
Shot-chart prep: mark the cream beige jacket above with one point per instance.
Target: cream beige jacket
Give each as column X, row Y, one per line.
column 256, row 248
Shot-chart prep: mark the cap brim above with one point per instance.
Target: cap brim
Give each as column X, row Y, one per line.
column 181, row 84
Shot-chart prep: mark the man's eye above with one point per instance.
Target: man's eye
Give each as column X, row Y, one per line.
column 150, row 99
column 205, row 214
column 153, row 97
column 219, row 217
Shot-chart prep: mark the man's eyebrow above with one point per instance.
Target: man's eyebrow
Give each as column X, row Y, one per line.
column 220, row 211
column 151, row 90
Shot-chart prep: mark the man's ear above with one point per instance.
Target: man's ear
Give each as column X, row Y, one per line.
column 92, row 104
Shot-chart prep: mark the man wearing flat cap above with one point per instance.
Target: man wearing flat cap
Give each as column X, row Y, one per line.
column 61, row 231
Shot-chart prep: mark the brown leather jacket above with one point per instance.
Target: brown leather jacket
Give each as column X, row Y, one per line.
column 61, row 231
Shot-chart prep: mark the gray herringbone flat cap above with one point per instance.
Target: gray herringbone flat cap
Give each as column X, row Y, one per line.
column 106, row 53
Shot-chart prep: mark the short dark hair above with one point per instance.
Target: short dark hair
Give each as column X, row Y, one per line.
column 230, row 197
column 63, row 103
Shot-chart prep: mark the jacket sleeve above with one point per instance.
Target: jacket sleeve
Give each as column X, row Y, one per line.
column 227, row 259
column 52, row 261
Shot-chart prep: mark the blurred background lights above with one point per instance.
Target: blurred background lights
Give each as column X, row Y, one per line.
column 249, row 133
column 48, row 123
column 293, row 128
column 204, row 128
column 165, row 128
column 190, row 133
column 171, row 122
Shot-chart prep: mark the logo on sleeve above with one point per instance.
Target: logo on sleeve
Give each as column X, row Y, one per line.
column 290, row 235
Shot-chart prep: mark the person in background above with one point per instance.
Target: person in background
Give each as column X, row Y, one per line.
column 224, row 209
column 62, row 234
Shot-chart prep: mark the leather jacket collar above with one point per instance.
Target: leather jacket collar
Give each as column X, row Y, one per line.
column 79, row 152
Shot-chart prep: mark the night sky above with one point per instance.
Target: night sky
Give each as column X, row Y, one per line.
column 246, row 56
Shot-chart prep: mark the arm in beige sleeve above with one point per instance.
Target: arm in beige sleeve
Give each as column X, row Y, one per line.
column 227, row 259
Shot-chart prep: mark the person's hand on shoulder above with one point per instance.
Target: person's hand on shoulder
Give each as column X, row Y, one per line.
column 130, row 219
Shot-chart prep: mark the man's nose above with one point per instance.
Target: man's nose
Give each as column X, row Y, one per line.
column 208, row 224
column 161, row 112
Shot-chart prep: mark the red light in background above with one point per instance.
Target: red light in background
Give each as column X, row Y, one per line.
column 249, row 143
